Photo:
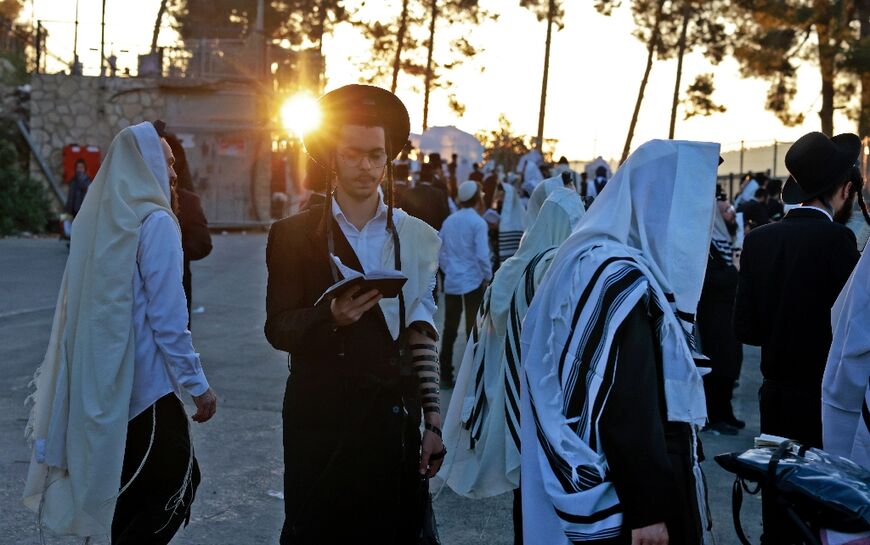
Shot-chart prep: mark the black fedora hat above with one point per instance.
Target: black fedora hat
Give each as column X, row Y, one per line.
column 817, row 164
column 362, row 105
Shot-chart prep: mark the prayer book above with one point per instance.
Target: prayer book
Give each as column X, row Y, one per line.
column 765, row 440
column 388, row 283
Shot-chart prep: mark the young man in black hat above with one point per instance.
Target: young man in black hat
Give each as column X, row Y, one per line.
column 790, row 275
column 363, row 368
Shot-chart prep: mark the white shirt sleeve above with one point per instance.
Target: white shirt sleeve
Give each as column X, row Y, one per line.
column 481, row 243
column 161, row 265
column 425, row 312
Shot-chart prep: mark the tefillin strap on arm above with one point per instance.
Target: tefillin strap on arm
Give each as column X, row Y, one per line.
column 424, row 358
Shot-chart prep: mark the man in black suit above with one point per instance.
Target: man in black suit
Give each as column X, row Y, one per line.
column 426, row 202
column 790, row 275
column 362, row 370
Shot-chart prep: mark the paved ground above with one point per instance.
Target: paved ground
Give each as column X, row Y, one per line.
column 240, row 450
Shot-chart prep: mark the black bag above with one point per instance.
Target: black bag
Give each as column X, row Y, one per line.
column 815, row 488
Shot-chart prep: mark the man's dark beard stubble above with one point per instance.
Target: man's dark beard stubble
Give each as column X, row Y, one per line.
column 844, row 214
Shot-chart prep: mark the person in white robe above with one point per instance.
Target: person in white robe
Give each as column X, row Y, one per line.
column 846, row 382
column 481, row 422
column 111, row 446
column 510, row 225
column 611, row 320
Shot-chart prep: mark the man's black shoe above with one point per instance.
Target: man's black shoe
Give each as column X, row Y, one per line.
column 735, row 423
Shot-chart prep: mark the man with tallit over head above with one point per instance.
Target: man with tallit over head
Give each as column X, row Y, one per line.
column 112, row 452
column 482, row 423
column 612, row 399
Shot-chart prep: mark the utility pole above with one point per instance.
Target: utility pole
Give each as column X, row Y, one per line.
column 103, row 41
column 75, row 67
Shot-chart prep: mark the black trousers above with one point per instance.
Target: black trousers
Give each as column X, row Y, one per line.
column 453, row 307
column 141, row 514
column 796, row 414
column 719, row 390
column 351, row 459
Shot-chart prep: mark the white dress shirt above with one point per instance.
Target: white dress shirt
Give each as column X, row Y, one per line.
column 368, row 245
column 822, row 210
column 464, row 252
column 165, row 360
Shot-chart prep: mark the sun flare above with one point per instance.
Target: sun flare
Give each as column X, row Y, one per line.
column 300, row 114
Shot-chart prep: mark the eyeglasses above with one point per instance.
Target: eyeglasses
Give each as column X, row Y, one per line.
column 354, row 159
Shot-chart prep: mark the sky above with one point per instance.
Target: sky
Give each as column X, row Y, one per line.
column 595, row 70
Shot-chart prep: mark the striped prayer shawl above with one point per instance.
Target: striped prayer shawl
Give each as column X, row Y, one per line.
column 582, row 368
column 519, row 307
column 508, row 243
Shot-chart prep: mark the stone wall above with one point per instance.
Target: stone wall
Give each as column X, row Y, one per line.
column 233, row 181
column 86, row 110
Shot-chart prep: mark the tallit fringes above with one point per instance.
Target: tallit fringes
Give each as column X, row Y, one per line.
column 177, row 499
column 145, row 457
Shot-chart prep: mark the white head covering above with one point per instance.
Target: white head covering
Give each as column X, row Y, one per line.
column 657, row 205
column 467, row 191
column 539, row 195
column 512, row 211
column 553, row 224
column 78, row 424
column 846, row 384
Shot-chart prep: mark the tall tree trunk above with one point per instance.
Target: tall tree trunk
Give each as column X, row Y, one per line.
column 687, row 11
column 400, row 44
column 551, row 10
column 864, row 115
column 651, row 49
column 427, row 84
column 826, row 66
column 321, row 26
column 321, row 30
column 160, row 12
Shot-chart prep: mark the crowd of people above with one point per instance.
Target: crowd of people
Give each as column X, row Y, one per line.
column 604, row 317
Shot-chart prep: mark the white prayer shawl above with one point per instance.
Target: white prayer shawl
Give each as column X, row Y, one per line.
column 846, row 383
column 647, row 240
column 539, row 195
column 510, row 225
column 78, row 424
column 483, row 455
column 419, row 247
column 748, row 192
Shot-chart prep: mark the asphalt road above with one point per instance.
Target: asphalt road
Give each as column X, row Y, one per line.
column 240, row 450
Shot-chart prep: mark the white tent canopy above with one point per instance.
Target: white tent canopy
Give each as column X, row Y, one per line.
column 593, row 165
column 449, row 140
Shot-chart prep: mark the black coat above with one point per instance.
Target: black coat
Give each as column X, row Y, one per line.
column 351, row 439
column 791, row 273
column 315, row 199
column 426, row 202
column 195, row 237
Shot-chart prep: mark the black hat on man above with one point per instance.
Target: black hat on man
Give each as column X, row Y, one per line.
column 365, row 105
column 818, row 164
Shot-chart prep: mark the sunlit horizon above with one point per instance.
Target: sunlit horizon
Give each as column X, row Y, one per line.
column 591, row 95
